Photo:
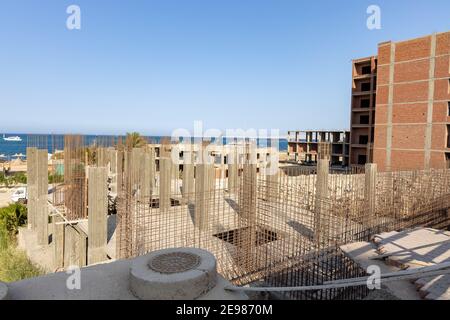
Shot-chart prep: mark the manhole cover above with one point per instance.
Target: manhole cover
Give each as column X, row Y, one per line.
column 174, row 262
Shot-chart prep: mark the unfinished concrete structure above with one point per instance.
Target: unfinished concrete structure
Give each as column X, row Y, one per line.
column 254, row 238
column 38, row 193
column 303, row 146
column 362, row 110
column 97, row 214
column 283, row 228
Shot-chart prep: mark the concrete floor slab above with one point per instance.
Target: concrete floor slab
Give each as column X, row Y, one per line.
column 417, row 248
column 108, row 281
column 361, row 252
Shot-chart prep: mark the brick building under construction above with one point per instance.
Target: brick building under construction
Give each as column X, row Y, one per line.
column 400, row 108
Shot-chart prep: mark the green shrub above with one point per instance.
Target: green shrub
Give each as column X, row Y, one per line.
column 12, row 217
column 19, row 177
column 4, row 237
column 14, row 263
column 10, row 180
column 55, row 178
column 4, row 181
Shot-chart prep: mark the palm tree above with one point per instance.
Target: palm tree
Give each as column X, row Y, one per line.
column 135, row 140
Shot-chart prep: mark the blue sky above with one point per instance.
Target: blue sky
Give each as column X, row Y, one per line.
column 153, row 66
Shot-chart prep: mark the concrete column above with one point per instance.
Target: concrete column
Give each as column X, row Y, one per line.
column 248, row 206
column 97, row 214
column 248, row 193
column 370, row 188
column 113, row 156
column 74, row 246
column 390, row 108
column 203, row 195
column 32, row 187
column 102, row 157
column 165, row 181
column 146, row 175
column 321, row 195
column 42, row 197
column 272, row 185
column 119, row 170
column 431, row 90
column 137, row 155
column 113, row 161
column 188, row 176
column 58, row 242
column 152, row 167
column 233, row 167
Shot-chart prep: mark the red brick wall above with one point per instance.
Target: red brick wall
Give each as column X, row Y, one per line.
column 410, row 107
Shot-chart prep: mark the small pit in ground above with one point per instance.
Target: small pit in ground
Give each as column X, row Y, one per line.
column 238, row 237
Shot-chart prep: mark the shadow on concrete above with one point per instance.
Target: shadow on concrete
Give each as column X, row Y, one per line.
column 302, row 229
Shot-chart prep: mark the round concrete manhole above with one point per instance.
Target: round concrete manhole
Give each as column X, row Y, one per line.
column 174, row 262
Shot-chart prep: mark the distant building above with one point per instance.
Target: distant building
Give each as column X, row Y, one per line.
column 400, row 108
column 303, row 146
column 362, row 118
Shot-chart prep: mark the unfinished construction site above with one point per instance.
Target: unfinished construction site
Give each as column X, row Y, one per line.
column 265, row 223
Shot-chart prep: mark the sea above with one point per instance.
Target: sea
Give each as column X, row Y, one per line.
column 11, row 149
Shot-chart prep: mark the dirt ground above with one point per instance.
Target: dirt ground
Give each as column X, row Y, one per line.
column 5, row 196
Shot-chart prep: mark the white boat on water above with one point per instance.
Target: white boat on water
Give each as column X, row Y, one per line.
column 14, row 138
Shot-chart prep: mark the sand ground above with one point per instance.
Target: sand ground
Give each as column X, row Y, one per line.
column 5, row 196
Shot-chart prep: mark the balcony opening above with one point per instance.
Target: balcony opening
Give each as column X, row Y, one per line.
column 362, row 159
column 363, row 139
column 240, row 237
column 448, row 109
column 447, row 160
column 448, row 136
column 365, row 103
column 366, row 70
column 365, row 86
column 364, row 119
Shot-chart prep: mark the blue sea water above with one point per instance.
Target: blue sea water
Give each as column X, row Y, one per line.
column 10, row 148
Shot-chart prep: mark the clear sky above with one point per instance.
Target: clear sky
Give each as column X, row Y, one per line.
column 153, row 66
